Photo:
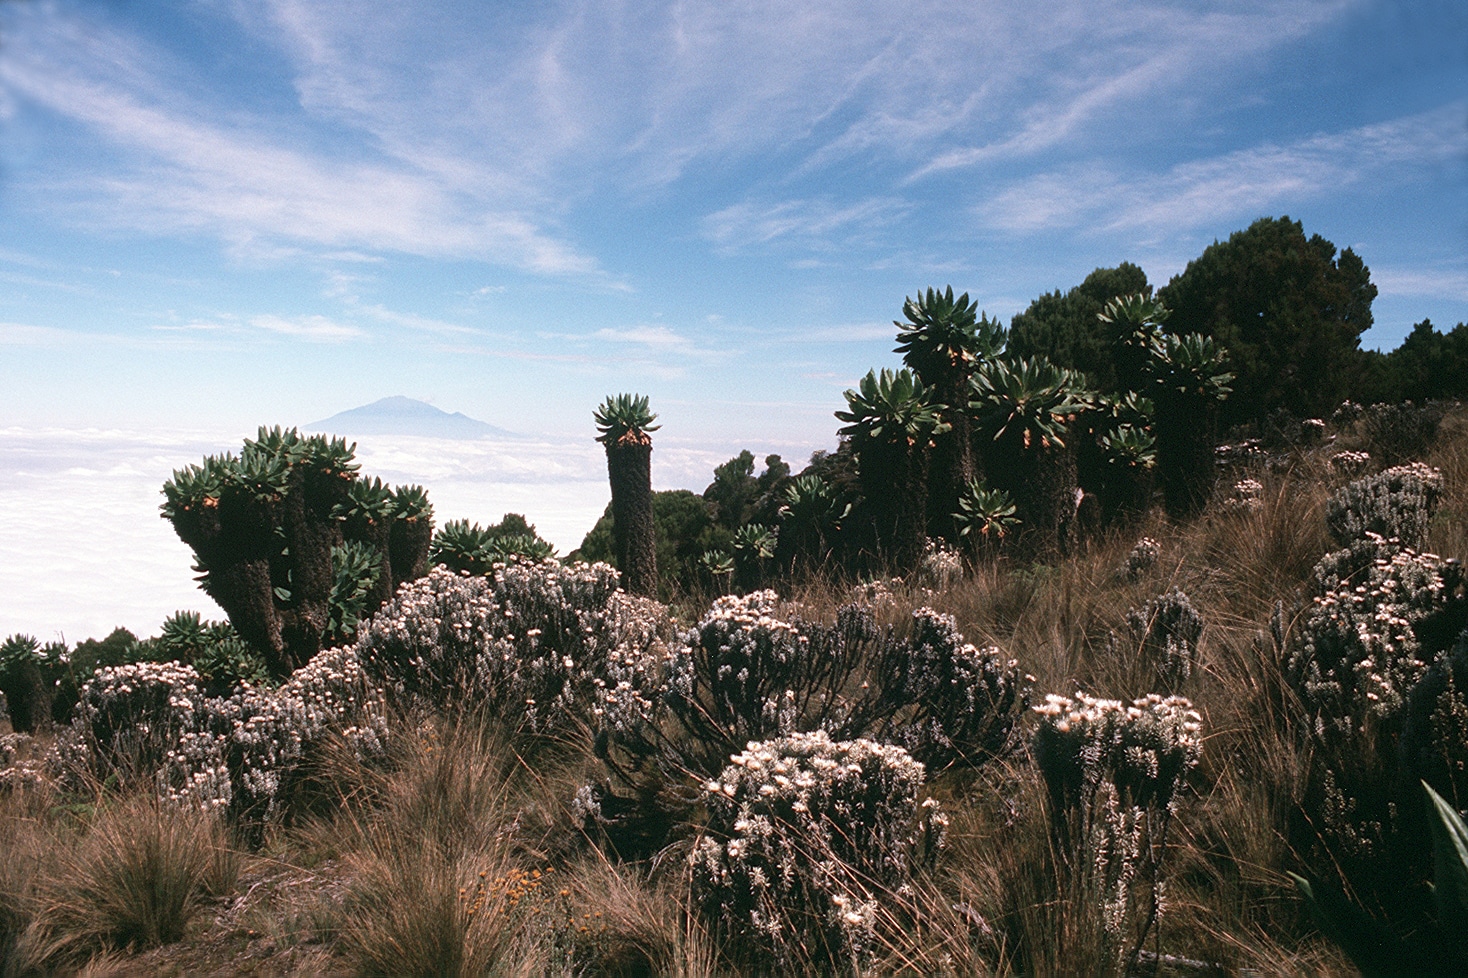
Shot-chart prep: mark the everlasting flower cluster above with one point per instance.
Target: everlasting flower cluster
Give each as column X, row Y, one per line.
column 1395, row 503
column 1356, row 653
column 941, row 565
column 1247, row 496
column 541, row 644
column 1166, row 630
column 1142, row 558
column 950, row 701
column 752, row 671
column 1114, row 771
column 805, row 836
column 151, row 721
column 1350, row 463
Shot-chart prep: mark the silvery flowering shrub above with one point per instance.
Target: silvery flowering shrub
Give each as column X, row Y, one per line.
column 147, row 722
column 1142, row 558
column 945, row 700
column 1350, row 463
column 1113, row 773
column 150, row 722
column 1166, row 631
column 271, row 733
column 1355, row 652
column 1247, row 496
column 752, row 670
column 807, row 839
column 1397, row 432
column 941, row 565
column 543, row 645
column 1396, row 503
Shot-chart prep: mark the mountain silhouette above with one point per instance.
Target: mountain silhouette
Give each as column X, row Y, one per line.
column 406, row 416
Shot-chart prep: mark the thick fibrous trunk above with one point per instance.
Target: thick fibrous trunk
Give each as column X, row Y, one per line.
column 1184, row 429
column 953, row 466
column 894, row 480
column 408, row 549
column 629, row 468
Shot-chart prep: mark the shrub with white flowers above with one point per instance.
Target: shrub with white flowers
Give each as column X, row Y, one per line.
column 807, row 839
column 941, row 565
column 272, row 733
column 1113, row 772
column 944, row 699
column 147, row 722
column 752, row 670
column 1355, row 653
column 543, row 645
column 1142, row 558
column 1395, row 503
column 150, row 722
column 1166, row 631
column 1247, row 496
column 1350, row 463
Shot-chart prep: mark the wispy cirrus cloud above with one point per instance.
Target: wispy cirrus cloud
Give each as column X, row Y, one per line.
column 318, row 329
column 822, row 224
column 1098, row 197
column 187, row 167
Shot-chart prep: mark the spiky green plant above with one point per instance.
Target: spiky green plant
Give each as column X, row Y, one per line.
column 1028, row 401
column 892, row 420
column 1025, row 408
column 263, row 526
column 810, row 513
column 942, row 341
column 985, row 516
column 356, row 568
column 1135, row 323
column 1189, row 382
column 754, row 547
column 23, row 681
column 624, row 423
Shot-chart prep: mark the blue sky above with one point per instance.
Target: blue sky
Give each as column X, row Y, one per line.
column 219, row 213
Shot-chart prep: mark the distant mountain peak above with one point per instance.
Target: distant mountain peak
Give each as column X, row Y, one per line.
column 399, row 415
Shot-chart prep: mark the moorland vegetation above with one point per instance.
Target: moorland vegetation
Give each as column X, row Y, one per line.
column 1122, row 641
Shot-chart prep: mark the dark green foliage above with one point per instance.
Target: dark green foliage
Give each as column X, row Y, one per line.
column 624, row 422
column 24, row 683
column 754, row 549
column 217, row 653
column 1023, row 410
column 263, row 526
column 1427, row 366
column 942, row 341
column 985, row 516
column 739, row 497
column 685, row 530
column 810, row 518
column 1289, row 310
column 468, row 547
column 1189, row 385
column 1069, row 331
column 892, row 421
column 1384, row 950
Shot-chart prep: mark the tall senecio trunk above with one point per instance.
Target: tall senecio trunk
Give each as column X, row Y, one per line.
column 629, row 468
column 954, row 462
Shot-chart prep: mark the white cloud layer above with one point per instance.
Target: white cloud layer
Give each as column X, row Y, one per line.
column 1245, row 183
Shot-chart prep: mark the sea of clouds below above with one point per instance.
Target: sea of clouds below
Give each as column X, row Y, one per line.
column 84, row 549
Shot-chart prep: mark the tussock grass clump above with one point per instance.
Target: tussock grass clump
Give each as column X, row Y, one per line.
column 139, row 875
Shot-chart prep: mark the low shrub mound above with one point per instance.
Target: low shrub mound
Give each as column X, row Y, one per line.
column 808, row 840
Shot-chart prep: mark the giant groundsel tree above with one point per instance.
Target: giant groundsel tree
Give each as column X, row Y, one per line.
column 291, row 544
column 625, row 423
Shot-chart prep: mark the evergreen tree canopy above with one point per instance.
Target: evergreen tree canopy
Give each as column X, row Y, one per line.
column 1066, row 330
column 1289, row 310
